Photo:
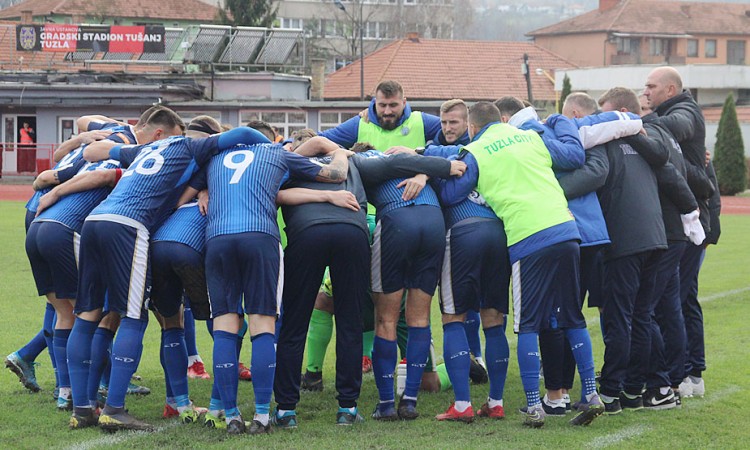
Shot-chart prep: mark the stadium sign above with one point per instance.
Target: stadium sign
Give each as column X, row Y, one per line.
column 96, row 38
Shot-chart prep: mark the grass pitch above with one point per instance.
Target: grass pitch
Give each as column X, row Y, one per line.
column 717, row 421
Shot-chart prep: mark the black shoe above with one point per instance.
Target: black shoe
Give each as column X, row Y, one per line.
column 407, row 409
column 477, row 373
column 677, row 397
column 258, row 428
column 549, row 410
column 628, row 401
column 78, row 421
column 120, row 419
column 312, row 381
column 613, row 407
column 653, row 399
column 236, row 426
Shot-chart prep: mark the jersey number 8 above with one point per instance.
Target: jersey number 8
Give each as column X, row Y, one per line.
column 240, row 166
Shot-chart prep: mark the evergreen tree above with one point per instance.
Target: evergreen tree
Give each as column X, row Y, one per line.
column 248, row 13
column 566, row 89
column 729, row 160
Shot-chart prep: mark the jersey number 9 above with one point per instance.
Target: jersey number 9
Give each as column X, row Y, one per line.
column 238, row 165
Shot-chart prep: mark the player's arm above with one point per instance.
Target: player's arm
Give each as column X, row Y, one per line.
column 652, row 150
column 607, row 126
column 675, row 188
column 315, row 146
column 53, row 177
column 85, row 181
column 566, row 150
column 588, row 178
column 455, row 189
column 84, row 122
column 337, row 169
column 74, row 142
column 679, row 122
column 299, row 196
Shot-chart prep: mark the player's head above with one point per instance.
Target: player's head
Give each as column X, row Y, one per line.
column 145, row 115
column 508, row 106
column 389, row 104
column 620, row 99
column 226, row 127
column 161, row 124
column 263, row 127
column 662, row 84
column 645, row 106
column 454, row 119
column 299, row 137
column 360, row 147
column 481, row 114
column 578, row 104
column 203, row 126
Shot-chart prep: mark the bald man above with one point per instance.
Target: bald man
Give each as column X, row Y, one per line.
column 683, row 117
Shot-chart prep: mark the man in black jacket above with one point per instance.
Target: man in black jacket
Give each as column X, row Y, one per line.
column 682, row 116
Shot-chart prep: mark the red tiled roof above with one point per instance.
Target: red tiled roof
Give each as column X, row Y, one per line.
column 713, row 114
column 433, row 69
column 193, row 10
column 656, row 16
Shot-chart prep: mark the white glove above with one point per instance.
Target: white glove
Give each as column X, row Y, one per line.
column 692, row 227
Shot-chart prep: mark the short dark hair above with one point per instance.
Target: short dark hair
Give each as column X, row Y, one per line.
column 390, row 88
column 264, row 127
column 508, row 105
column 360, row 147
column 482, row 113
column 143, row 119
column 621, row 97
column 205, row 124
column 166, row 118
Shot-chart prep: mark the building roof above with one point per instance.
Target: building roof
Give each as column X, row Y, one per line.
column 434, row 69
column 657, row 16
column 190, row 10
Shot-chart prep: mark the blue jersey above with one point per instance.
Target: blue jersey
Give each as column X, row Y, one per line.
column 243, row 182
column 472, row 206
column 156, row 174
column 73, row 209
column 71, row 163
column 386, row 196
column 186, row 226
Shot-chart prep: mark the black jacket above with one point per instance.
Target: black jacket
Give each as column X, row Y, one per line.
column 630, row 197
column 682, row 116
column 714, row 208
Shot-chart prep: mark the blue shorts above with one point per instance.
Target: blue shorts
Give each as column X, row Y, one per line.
column 476, row 268
column 30, row 215
column 178, row 269
column 114, row 259
column 245, row 265
column 546, row 289
column 407, row 250
column 52, row 249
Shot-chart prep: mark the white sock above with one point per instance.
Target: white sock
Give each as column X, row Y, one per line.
column 64, row 393
column 554, row 403
column 461, row 406
column 182, row 409
column 194, row 359
column 695, row 380
column 262, row 418
column 664, row 390
column 283, row 412
column 491, row 402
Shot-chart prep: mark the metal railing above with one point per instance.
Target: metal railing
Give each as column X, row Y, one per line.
column 26, row 159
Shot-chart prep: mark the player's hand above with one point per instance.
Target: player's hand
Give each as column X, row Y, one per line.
column 288, row 147
column 47, row 200
column 400, row 149
column 88, row 137
column 203, row 202
column 458, row 168
column 413, row 186
column 343, row 199
column 363, row 116
column 643, row 132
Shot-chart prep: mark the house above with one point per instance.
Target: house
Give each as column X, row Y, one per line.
column 437, row 70
column 651, row 32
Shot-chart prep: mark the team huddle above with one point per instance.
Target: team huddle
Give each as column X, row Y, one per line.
column 611, row 201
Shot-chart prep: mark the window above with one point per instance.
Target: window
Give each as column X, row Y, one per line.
column 291, row 23
column 658, row 47
column 67, row 127
column 624, row 46
column 332, row 119
column 286, row 122
column 338, row 63
column 710, row 48
column 736, row 52
column 743, row 96
column 692, row 48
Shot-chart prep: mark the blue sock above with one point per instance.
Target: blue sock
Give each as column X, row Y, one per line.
column 60, row 342
column 528, row 363
column 33, row 348
column 383, row 364
column 225, row 368
column 175, row 358
column 79, row 360
column 107, row 371
column 471, row 326
column 126, row 354
column 580, row 344
column 192, row 348
column 100, row 359
column 498, row 354
column 215, row 404
column 50, row 318
column 170, row 395
column 263, row 366
column 457, row 360
column 417, row 352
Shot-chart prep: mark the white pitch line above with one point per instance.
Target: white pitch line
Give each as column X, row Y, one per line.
column 119, row 437
column 637, row 430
